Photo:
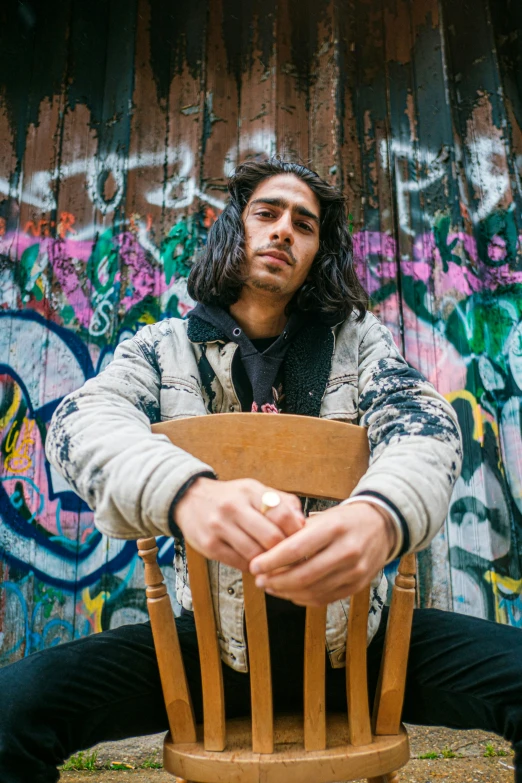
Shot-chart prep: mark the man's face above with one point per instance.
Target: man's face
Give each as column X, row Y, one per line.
column 281, row 223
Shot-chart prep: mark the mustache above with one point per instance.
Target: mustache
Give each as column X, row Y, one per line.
column 286, row 250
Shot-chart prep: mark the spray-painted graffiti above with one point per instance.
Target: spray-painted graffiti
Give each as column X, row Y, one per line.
column 72, row 580
column 109, row 183
column 47, row 534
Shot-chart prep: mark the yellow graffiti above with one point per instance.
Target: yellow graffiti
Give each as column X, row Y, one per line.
column 18, row 445
column 479, row 414
column 94, row 607
column 463, row 394
column 479, row 417
column 502, row 586
column 12, row 409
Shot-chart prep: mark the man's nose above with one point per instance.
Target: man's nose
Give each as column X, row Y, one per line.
column 283, row 230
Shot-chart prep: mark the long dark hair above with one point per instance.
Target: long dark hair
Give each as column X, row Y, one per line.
column 332, row 287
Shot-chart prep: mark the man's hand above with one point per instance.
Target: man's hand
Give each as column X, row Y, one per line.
column 222, row 520
column 335, row 555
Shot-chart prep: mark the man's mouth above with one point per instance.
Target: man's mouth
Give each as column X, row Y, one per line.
column 277, row 255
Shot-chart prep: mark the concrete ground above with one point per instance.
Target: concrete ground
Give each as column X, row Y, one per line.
column 438, row 755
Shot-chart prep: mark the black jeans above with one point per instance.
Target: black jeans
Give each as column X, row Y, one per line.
column 462, row 673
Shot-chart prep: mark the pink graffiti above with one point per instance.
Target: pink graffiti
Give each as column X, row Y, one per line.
column 376, row 253
column 377, row 261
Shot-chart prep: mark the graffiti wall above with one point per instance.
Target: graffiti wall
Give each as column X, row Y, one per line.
column 119, row 123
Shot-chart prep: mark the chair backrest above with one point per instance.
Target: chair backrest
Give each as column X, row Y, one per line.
column 313, row 458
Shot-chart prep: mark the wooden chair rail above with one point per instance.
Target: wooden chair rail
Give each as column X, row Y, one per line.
column 260, row 669
column 209, row 655
column 314, row 701
column 389, row 698
column 170, row 662
column 356, row 670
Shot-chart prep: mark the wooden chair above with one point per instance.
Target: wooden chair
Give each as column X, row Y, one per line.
column 314, row 458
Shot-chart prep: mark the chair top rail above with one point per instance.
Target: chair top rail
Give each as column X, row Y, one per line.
column 308, row 456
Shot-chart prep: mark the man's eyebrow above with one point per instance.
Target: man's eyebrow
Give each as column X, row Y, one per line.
column 283, row 204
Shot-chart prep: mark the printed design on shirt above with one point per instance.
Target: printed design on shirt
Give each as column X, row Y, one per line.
column 268, row 407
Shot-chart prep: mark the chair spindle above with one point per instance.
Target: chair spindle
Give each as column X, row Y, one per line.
column 259, row 664
column 170, row 662
column 210, row 659
column 356, row 669
column 389, row 698
column 314, row 679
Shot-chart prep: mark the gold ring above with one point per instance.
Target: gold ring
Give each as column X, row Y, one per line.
column 269, row 500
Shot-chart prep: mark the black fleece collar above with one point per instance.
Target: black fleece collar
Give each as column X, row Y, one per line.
column 306, row 367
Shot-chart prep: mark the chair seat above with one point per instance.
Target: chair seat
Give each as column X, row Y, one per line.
column 289, row 761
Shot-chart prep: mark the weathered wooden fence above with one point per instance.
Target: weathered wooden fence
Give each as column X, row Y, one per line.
column 119, row 122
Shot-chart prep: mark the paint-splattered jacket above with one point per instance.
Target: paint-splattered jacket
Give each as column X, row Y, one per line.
column 101, row 442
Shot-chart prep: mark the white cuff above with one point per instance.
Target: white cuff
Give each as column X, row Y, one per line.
column 399, row 536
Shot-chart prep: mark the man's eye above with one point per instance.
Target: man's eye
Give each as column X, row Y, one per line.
column 264, row 213
column 306, row 226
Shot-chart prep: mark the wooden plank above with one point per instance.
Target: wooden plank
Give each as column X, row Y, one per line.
column 480, row 114
column 350, row 149
column 340, row 456
column 148, row 152
column 356, row 670
column 220, row 134
column 425, row 346
column 259, row 665
column 73, row 241
column 11, row 622
column 45, row 107
column 9, row 220
column 324, row 87
column 506, row 17
column 375, row 245
column 42, row 127
column 186, row 99
column 209, row 655
column 257, row 109
column 389, row 698
column 474, row 85
column 314, row 679
column 87, row 269
column 295, row 34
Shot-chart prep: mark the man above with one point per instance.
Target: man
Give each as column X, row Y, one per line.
column 281, row 326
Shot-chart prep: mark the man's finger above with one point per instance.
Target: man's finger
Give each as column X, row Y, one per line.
column 246, row 545
column 288, row 519
column 331, row 588
column 305, row 543
column 287, row 516
column 259, row 527
column 225, row 554
column 315, row 573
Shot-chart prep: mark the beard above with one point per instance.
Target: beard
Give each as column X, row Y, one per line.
column 262, row 286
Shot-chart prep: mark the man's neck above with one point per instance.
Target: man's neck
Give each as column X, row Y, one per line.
column 259, row 318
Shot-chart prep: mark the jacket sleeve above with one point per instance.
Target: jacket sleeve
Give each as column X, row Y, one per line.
column 414, row 437
column 100, row 440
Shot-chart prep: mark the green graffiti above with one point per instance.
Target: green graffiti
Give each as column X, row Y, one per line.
column 497, row 238
column 179, row 246
column 103, row 263
column 482, row 323
column 30, row 271
column 441, row 232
